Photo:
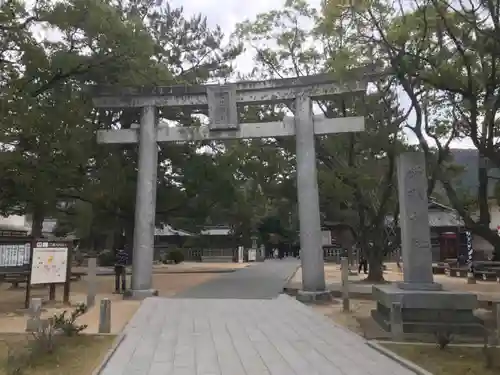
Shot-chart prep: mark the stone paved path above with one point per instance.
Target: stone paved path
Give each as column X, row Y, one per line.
column 264, row 280
column 239, row 324
column 241, row 337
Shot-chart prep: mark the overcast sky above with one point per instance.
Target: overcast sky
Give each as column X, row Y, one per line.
column 227, row 13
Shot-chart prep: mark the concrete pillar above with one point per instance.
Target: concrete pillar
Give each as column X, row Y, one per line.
column 142, row 267
column 91, row 281
column 240, row 254
column 497, row 316
column 105, row 316
column 345, row 284
column 155, row 179
column 35, row 310
column 313, row 271
column 397, row 332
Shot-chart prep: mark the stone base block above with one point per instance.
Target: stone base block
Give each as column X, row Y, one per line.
column 32, row 325
column 313, row 297
column 428, row 311
column 140, row 294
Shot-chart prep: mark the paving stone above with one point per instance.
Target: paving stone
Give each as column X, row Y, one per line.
column 242, row 337
column 239, row 324
column 260, row 281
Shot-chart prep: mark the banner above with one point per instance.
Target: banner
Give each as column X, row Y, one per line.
column 470, row 250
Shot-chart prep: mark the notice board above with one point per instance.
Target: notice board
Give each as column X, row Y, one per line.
column 50, row 263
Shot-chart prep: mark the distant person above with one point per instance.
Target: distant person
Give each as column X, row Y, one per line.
column 281, row 251
column 121, row 260
column 399, row 260
column 363, row 265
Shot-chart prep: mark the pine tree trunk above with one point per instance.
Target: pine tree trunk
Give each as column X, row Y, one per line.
column 129, row 239
column 375, row 265
column 37, row 221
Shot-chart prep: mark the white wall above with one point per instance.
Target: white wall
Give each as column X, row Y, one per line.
column 18, row 221
column 479, row 243
column 21, row 222
column 495, row 215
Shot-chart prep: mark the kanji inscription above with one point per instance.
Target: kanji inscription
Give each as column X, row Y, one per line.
column 222, row 109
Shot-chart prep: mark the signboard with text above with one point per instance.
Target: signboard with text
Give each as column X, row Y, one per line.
column 14, row 256
column 50, row 262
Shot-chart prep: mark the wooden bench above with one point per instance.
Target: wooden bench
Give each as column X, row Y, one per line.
column 456, row 272
column 17, row 278
column 439, row 268
column 77, row 275
column 487, row 270
column 486, row 264
column 487, row 275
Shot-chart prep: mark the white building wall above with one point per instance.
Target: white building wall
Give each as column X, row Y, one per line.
column 495, row 216
column 22, row 222
column 480, row 244
column 15, row 221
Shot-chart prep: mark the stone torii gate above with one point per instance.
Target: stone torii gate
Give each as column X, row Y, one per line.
column 222, row 102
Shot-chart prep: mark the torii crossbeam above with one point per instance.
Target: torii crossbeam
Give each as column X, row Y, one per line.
column 222, row 102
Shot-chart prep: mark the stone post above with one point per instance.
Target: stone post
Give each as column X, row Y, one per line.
column 142, row 269
column 105, row 316
column 470, row 278
column 396, row 322
column 240, row 254
column 345, row 284
column 312, row 258
column 35, row 310
column 91, row 281
column 414, row 223
column 497, row 313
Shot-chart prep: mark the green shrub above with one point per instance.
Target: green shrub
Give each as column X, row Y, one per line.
column 176, row 256
column 443, row 338
column 67, row 324
column 106, row 258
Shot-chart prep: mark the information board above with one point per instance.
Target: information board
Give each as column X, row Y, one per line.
column 50, row 261
column 14, row 257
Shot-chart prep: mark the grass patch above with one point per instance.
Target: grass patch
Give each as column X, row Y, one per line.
column 77, row 355
column 452, row 360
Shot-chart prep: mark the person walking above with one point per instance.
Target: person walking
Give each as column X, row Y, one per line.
column 121, row 260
